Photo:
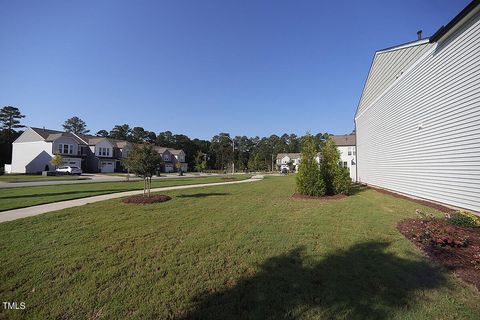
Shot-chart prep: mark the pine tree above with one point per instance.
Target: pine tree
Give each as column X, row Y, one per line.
column 336, row 179
column 10, row 118
column 309, row 180
column 75, row 125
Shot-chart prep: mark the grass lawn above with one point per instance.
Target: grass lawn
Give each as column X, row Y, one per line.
column 36, row 177
column 245, row 251
column 12, row 198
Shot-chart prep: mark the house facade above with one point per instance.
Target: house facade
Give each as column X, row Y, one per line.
column 293, row 158
column 348, row 152
column 35, row 147
column 105, row 155
column 418, row 119
column 346, row 147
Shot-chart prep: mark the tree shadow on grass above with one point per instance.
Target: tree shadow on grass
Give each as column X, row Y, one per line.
column 364, row 281
column 202, row 195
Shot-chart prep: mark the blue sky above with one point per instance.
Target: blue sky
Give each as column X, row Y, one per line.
column 201, row 67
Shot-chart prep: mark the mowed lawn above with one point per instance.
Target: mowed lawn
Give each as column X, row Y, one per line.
column 245, row 251
column 12, row 178
column 19, row 197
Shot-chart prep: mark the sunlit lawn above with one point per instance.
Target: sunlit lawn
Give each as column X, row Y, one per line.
column 245, row 251
column 12, row 198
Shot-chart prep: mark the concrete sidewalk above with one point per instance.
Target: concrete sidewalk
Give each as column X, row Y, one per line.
column 14, row 214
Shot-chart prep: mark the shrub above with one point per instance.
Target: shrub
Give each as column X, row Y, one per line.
column 464, row 218
column 342, row 181
column 309, row 179
column 329, row 167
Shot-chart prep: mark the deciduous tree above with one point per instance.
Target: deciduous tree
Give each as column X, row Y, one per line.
column 144, row 161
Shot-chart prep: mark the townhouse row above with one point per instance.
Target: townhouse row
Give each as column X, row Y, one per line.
column 35, row 147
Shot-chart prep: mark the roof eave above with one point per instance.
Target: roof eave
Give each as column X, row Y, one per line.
column 471, row 9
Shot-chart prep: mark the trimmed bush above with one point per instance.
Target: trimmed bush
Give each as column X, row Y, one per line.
column 464, row 218
column 329, row 167
column 309, row 179
column 342, row 181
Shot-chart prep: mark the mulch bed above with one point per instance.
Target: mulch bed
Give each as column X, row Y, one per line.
column 334, row 197
column 456, row 248
column 228, row 178
column 426, row 203
column 140, row 199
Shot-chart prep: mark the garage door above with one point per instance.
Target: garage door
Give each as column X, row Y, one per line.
column 107, row 166
column 72, row 162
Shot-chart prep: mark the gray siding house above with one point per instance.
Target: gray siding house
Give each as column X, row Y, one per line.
column 35, row 147
column 418, row 119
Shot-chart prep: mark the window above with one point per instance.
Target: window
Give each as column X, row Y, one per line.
column 65, row 148
column 345, row 164
column 349, row 151
column 104, row 152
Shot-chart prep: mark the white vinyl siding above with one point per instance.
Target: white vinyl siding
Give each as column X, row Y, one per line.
column 422, row 136
column 386, row 67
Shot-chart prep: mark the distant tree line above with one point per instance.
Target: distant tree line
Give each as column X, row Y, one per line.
column 248, row 153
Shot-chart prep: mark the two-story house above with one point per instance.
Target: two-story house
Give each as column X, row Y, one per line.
column 179, row 159
column 348, row 153
column 105, row 154
column 346, row 148
column 171, row 158
column 293, row 158
column 35, row 147
column 167, row 159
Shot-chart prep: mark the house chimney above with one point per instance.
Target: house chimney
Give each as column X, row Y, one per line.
column 419, row 34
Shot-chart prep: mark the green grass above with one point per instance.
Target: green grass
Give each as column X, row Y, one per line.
column 245, row 251
column 19, row 197
column 35, row 177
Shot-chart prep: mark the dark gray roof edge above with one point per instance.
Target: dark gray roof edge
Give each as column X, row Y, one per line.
column 444, row 29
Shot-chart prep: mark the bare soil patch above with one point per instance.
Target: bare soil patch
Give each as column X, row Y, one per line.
column 297, row 195
column 140, row 199
column 426, row 203
column 456, row 248
column 228, row 178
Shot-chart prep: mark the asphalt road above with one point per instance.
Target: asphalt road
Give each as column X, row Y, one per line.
column 92, row 178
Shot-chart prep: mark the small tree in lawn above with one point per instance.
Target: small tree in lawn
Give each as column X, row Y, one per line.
column 57, row 160
column 200, row 162
column 309, row 180
column 178, row 167
column 336, row 178
column 144, row 161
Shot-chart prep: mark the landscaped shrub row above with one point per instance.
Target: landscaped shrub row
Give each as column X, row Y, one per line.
column 328, row 179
